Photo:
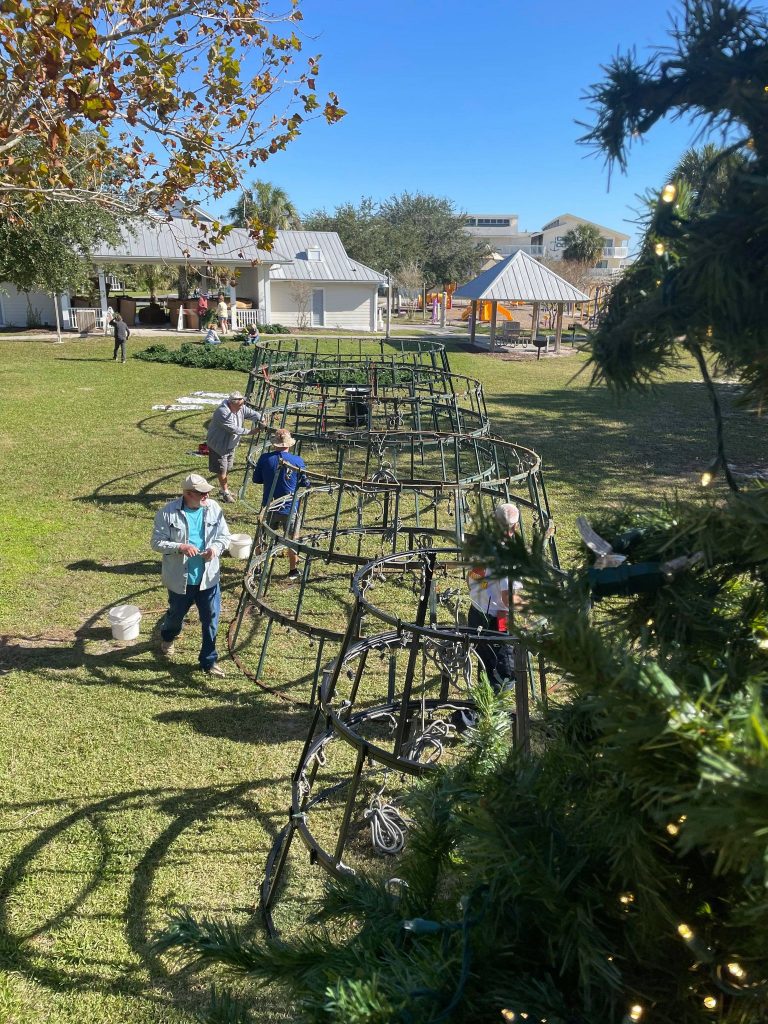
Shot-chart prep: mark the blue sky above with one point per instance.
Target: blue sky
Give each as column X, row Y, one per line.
column 474, row 101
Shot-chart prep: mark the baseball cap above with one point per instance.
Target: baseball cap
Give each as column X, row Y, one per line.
column 195, row 482
column 235, row 396
column 507, row 514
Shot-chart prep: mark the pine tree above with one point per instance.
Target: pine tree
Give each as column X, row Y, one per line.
column 619, row 872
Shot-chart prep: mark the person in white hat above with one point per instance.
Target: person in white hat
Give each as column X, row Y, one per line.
column 226, row 428
column 281, row 472
column 191, row 534
column 489, row 607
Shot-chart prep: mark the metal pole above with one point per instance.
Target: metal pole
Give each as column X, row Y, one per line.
column 389, row 305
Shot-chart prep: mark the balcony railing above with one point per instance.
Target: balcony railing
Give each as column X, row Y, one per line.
column 618, row 252
column 508, row 250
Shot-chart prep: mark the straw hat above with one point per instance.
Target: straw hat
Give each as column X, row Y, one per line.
column 282, row 438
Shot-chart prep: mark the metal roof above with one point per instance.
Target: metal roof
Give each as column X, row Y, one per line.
column 520, row 278
column 333, row 265
column 177, row 240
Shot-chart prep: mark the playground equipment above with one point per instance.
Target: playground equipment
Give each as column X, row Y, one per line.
column 484, row 312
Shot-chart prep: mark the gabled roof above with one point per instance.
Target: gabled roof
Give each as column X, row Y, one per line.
column 585, row 220
column 520, row 278
column 158, row 240
column 334, row 264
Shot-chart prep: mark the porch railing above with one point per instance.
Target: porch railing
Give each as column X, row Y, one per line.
column 86, row 318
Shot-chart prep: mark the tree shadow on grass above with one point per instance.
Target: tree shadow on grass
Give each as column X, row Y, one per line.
column 120, row 665
column 244, row 722
column 92, row 830
column 145, row 567
column 185, row 425
column 147, row 494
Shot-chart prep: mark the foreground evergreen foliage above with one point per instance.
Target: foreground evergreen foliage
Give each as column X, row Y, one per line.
column 618, row 873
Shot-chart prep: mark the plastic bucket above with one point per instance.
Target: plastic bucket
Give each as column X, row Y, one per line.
column 240, row 545
column 124, row 620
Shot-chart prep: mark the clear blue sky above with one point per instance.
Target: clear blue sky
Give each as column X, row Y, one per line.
column 476, row 101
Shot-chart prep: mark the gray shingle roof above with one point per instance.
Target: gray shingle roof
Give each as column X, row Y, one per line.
column 334, row 264
column 520, row 278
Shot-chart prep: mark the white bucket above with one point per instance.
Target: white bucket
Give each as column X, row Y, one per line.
column 124, row 620
column 240, row 545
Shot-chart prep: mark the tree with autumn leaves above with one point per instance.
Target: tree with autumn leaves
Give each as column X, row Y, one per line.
column 180, row 97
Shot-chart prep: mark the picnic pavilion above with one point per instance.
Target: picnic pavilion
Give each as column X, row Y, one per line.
column 520, row 278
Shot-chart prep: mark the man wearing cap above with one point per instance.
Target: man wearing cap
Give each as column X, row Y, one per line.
column 489, row 607
column 224, row 433
column 280, row 472
column 191, row 534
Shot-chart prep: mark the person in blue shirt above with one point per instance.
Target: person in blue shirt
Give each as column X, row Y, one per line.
column 280, row 472
column 191, row 534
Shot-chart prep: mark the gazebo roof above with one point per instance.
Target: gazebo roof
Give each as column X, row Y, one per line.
column 520, row 278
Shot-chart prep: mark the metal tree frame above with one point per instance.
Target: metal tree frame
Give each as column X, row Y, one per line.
column 335, row 398
column 418, row 708
column 278, row 352
column 407, row 490
column 400, row 464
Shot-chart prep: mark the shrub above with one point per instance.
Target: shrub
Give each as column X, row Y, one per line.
column 203, row 357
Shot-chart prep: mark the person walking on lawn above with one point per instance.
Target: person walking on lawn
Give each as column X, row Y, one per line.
column 224, row 433
column 280, row 472
column 191, row 534
column 122, row 334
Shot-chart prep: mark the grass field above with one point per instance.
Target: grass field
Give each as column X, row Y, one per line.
column 131, row 786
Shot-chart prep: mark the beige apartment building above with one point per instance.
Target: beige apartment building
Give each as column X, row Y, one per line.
column 502, row 234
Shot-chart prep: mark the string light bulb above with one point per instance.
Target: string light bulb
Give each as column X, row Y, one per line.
column 659, row 248
column 685, row 933
column 509, row 1015
column 710, row 1002
column 635, row 1012
column 672, row 828
column 668, row 193
column 736, row 970
column 626, row 898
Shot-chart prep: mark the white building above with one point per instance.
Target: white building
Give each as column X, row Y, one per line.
column 306, row 280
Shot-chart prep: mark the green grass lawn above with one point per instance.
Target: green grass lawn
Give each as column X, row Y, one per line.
column 131, row 786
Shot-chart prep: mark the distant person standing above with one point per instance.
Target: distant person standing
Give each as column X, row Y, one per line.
column 222, row 314
column 280, row 473
column 224, row 433
column 191, row 534
column 122, row 334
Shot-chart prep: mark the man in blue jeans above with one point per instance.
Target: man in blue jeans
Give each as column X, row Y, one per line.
column 191, row 534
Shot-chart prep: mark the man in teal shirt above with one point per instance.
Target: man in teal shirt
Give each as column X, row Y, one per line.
column 191, row 534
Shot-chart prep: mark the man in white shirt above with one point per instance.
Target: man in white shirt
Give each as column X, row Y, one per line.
column 489, row 608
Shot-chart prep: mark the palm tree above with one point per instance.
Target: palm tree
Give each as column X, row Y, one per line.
column 709, row 172
column 583, row 244
column 267, row 204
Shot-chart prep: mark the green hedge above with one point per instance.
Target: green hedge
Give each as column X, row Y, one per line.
column 207, row 357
